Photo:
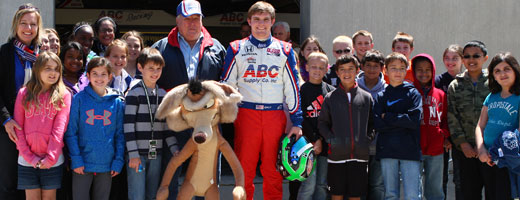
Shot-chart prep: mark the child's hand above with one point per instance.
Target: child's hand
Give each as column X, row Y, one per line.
column 43, row 166
column 114, row 173
column 383, row 116
column 447, row 145
column 79, row 170
column 317, row 146
column 9, row 128
column 176, row 153
column 38, row 164
column 134, row 163
column 468, row 151
column 484, row 156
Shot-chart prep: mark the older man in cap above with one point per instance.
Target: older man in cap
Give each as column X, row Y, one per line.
column 189, row 53
column 189, row 50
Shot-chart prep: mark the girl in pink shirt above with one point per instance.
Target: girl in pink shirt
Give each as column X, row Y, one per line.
column 42, row 110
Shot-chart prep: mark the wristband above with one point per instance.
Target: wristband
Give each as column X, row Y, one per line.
column 7, row 120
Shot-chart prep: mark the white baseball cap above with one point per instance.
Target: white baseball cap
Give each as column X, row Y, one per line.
column 188, row 8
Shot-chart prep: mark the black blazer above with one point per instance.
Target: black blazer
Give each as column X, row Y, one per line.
column 7, row 82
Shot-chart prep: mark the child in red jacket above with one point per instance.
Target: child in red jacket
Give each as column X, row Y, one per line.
column 434, row 126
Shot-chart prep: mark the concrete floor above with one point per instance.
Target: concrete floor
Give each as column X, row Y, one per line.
column 227, row 185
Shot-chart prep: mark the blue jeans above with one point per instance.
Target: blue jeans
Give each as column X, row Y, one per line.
column 376, row 187
column 315, row 187
column 35, row 178
column 433, row 175
column 411, row 174
column 144, row 184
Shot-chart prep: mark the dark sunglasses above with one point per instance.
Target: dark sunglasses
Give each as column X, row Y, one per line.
column 23, row 7
column 476, row 56
column 342, row 51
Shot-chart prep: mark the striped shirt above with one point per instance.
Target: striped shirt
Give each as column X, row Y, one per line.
column 137, row 126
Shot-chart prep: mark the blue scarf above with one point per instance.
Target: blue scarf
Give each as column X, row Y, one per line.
column 27, row 56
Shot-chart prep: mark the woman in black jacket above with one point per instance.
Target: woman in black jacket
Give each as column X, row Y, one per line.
column 16, row 59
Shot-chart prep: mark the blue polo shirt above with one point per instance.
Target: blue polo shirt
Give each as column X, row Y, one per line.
column 191, row 55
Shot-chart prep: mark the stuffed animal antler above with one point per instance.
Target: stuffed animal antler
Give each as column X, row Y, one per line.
column 201, row 106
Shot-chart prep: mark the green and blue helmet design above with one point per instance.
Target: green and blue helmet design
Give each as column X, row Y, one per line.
column 296, row 158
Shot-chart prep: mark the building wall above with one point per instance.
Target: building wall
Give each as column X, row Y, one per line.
column 433, row 24
column 9, row 7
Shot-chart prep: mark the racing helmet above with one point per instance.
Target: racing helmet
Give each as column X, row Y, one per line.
column 296, row 158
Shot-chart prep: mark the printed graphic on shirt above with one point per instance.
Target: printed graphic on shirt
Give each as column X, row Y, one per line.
column 510, row 140
column 506, row 106
column 501, row 107
column 271, row 51
column 104, row 117
column 251, row 60
column 435, row 110
column 46, row 109
column 249, row 51
column 390, row 103
column 261, row 74
column 313, row 110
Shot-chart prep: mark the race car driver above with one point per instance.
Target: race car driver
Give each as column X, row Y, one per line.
column 263, row 69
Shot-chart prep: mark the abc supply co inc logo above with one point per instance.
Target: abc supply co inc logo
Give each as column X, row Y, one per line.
column 261, row 73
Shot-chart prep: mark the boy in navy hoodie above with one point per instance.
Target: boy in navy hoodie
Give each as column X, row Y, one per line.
column 397, row 114
column 434, row 125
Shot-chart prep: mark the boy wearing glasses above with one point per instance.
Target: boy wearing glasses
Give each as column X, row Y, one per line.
column 371, row 80
column 403, row 43
column 397, row 114
column 345, row 122
column 465, row 97
column 341, row 45
column 363, row 42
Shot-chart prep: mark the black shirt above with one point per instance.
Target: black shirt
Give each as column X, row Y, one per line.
column 331, row 77
column 312, row 96
column 443, row 81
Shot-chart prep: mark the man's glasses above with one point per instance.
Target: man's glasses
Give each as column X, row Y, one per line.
column 339, row 51
column 476, row 56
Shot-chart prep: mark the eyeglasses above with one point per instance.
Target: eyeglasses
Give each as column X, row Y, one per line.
column 476, row 56
column 339, row 51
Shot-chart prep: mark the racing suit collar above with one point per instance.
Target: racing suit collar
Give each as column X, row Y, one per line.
column 260, row 44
